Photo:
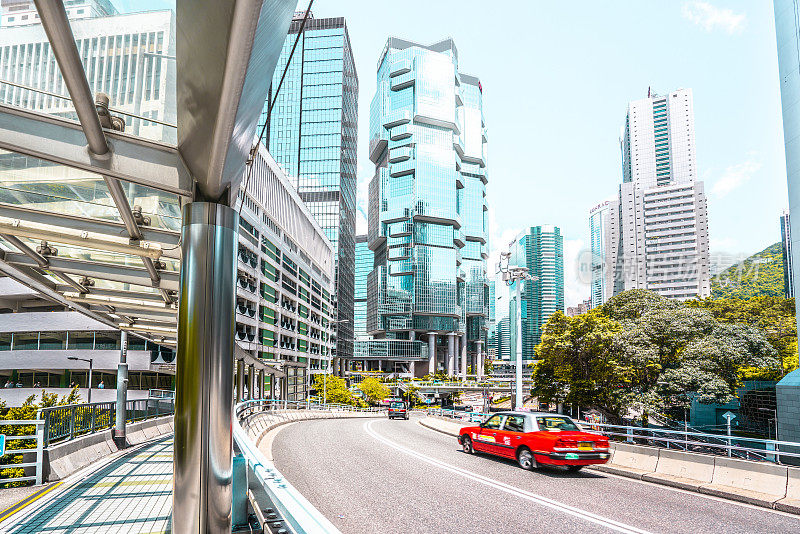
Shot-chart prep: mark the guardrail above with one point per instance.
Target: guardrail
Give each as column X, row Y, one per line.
column 299, row 515
column 63, row 423
column 37, row 436
column 768, row 450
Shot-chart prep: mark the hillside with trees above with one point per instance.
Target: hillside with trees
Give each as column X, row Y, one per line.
column 760, row 275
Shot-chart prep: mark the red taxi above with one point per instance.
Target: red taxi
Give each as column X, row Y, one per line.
column 533, row 438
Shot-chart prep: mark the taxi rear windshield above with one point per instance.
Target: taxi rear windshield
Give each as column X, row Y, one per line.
column 397, row 405
column 555, row 423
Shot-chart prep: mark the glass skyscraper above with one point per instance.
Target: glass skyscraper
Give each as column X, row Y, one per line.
column 541, row 250
column 312, row 135
column 427, row 204
column 364, row 260
column 601, row 284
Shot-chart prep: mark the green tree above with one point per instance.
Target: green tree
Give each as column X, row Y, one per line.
column 373, row 389
column 336, row 391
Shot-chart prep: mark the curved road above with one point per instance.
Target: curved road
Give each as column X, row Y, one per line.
column 382, row 476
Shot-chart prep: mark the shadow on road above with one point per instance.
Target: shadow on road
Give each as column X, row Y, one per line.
column 552, row 471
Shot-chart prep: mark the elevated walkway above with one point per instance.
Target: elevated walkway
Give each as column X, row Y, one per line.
column 129, row 492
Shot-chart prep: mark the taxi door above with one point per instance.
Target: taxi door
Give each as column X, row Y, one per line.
column 509, row 437
column 486, row 439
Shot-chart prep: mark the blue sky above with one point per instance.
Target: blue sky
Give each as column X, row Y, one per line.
column 557, row 77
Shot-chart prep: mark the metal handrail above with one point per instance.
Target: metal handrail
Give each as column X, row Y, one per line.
column 64, row 423
column 38, row 435
column 727, row 445
column 298, row 513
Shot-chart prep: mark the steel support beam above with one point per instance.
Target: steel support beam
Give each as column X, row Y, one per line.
column 62, row 141
column 203, row 454
column 168, row 239
column 104, row 271
column 226, row 54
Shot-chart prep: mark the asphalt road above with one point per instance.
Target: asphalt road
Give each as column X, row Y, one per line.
column 382, row 476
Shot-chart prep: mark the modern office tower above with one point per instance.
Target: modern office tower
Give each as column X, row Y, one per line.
column 128, row 57
column 503, row 340
column 541, row 250
column 312, row 135
column 786, row 242
column 602, row 233
column 427, row 206
column 491, row 336
column 661, row 242
column 364, row 261
column 284, row 308
column 23, row 12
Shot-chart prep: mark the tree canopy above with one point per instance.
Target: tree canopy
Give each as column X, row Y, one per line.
column 641, row 351
column 373, row 389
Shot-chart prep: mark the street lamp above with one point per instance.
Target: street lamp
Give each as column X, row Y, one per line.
column 516, row 275
column 91, row 362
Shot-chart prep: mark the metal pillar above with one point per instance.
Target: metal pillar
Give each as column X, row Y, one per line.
column 518, row 399
column 239, row 381
column 464, row 356
column 431, row 354
column 261, row 394
column 251, row 382
column 203, row 457
column 479, row 360
column 122, row 391
column 451, row 353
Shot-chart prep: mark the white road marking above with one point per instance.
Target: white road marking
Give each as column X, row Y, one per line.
column 513, row 490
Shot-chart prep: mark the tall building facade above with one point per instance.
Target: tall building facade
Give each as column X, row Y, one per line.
column 601, row 232
column 427, row 205
column 129, row 57
column 659, row 238
column 786, row 242
column 364, row 261
column 491, row 337
column 541, row 250
column 311, row 133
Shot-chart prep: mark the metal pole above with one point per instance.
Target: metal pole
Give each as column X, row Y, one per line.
column 325, row 387
column 122, row 391
column 431, row 354
column 728, row 419
column 203, row 455
column 239, row 380
column 89, row 399
column 518, row 384
column 464, row 357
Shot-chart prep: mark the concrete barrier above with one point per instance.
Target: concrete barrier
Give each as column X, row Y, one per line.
column 758, row 483
column 791, row 503
column 63, row 459
column 632, row 461
column 685, row 470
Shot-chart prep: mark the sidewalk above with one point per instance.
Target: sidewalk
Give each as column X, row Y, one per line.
column 130, row 494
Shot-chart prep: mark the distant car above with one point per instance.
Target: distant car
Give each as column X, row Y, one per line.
column 398, row 410
column 533, row 438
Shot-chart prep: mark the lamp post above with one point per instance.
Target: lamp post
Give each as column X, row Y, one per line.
column 91, row 362
column 516, row 275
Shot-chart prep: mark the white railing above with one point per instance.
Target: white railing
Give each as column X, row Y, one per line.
column 299, row 515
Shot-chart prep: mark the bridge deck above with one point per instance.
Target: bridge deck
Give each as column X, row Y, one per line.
column 131, row 493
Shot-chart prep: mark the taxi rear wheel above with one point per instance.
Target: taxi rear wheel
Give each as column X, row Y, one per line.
column 466, row 445
column 525, row 459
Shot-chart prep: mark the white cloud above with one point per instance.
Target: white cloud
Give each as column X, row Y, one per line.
column 735, row 176
column 710, row 17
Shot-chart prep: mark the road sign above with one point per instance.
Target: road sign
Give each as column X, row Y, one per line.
column 729, row 416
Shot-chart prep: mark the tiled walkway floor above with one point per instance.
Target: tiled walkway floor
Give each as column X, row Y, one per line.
column 132, row 494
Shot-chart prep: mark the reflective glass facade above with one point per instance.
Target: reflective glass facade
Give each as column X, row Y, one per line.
column 427, row 199
column 541, row 250
column 364, row 261
column 312, row 135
